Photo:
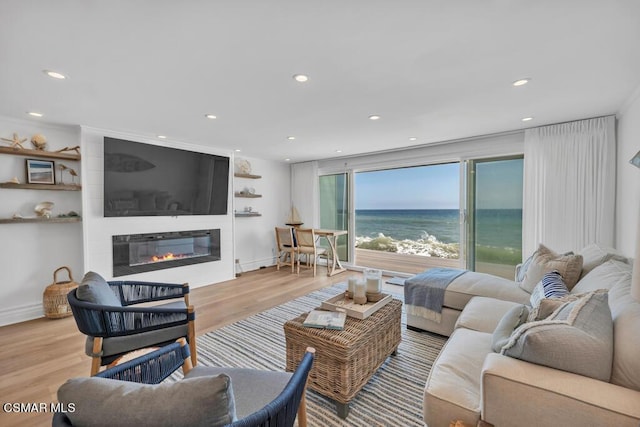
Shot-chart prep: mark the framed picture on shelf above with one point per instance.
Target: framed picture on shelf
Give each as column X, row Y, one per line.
column 40, row 172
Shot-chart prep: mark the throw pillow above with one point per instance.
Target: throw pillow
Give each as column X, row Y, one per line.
column 95, row 289
column 577, row 337
column 594, row 255
column 544, row 261
column 521, row 269
column 551, row 286
column 513, row 318
column 202, row 401
column 547, row 306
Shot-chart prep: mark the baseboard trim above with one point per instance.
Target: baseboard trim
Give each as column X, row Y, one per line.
column 21, row 314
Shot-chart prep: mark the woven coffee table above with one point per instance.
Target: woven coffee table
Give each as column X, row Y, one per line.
column 345, row 360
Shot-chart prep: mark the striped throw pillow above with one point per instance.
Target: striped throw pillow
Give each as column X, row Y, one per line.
column 551, row 286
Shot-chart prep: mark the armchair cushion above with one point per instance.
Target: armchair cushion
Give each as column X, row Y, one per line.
column 95, row 289
column 125, row 343
column 204, row 401
column 253, row 389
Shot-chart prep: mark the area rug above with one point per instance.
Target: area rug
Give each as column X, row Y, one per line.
column 393, row 397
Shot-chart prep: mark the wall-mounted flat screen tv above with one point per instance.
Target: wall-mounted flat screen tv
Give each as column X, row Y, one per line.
column 152, row 180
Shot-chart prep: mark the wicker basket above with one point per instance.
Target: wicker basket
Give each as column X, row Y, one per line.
column 54, row 298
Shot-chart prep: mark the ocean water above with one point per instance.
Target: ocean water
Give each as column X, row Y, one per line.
column 436, row 232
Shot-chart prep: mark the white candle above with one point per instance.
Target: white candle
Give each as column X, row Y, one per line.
column 373, row 285
column 352, row 284
column 360, row 296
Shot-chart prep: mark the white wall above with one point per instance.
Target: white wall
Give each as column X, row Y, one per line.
column 628, row 177
column 255, row 236
column 30, row 253
column 98, row 230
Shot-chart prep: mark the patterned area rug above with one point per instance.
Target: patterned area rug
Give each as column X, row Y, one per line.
column 393, row 397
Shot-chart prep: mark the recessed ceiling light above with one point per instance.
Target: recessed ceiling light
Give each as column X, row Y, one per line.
column 527, row 119
column 287, row 160
column 300, row 78
column 237, row 150
column 338, row 151
column 374, row 117
column 162, row 136
column 211, row 116
column 291, row 138
column 412, row 138
column 521, row 82
column 34, row 114
column 54, row 74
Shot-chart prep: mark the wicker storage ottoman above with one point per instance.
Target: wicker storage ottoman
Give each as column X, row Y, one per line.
column 345, row 360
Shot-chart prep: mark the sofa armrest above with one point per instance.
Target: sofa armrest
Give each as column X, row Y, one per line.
column 515, row 392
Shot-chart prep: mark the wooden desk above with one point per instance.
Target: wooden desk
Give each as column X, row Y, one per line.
column 333, row 263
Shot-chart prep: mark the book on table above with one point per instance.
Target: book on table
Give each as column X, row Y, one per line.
column 325, row 319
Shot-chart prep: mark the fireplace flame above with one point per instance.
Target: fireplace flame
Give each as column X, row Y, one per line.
column 166, row 257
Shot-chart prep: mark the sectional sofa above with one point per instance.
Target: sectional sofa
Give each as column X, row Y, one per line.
column 573, row 361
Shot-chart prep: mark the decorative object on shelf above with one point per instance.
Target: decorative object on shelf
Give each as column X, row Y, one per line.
column 15, row 142
column 44, row 209
column 243, row 166
column 635, row 160
column 14, row 180
column 70, row 214
column 40, row 172
column 39, row 141
column 248, row 209
column 250, row 190
column 71, row 171
column 76, row 149
column 54, row 298
column 17, row 215
column 294, row 217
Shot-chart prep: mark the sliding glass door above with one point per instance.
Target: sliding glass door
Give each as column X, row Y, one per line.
column 494, row 219
column 334, row 209
column 408, row 219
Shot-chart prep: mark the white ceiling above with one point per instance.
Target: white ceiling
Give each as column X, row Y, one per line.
column 434, row 70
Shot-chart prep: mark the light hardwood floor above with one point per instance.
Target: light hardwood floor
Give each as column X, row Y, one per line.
column 37, row 356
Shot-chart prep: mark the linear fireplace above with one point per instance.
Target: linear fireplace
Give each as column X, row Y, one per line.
column 138, row 253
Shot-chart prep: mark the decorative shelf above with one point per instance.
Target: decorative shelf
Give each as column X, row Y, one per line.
column 247, row 175
column 55, row 187
column 239, row 214
column 38, row 153
column 50, row 220
column 247, row 195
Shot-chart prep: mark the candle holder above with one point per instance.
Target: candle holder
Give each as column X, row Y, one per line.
column 360, row 295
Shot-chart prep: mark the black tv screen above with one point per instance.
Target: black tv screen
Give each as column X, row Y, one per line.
column 151, row 180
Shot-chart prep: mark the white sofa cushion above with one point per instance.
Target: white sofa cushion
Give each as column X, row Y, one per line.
column 471, row 284
column 577, row 337
column 594, row 255
column 453, row 386
column 483, row 314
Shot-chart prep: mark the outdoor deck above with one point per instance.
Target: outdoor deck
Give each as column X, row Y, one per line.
column 413, row 264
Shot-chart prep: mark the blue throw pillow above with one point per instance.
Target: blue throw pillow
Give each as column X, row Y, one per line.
column 551, row 286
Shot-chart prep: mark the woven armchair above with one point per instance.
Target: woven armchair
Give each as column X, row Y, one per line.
column 113, row 331
column 278, row 408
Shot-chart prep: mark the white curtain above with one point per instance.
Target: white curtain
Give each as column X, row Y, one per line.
column 304, row 192
column 569, row 185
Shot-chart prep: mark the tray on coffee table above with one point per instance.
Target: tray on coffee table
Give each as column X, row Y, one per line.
column 359, row 311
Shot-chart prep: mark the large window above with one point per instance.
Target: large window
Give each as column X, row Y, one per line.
column 334, row 209
column 408, row 219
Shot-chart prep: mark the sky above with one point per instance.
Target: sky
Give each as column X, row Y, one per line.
column 438, row 187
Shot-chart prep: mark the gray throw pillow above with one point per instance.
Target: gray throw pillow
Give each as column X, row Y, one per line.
column 513, row 318
column 95, row 289
column 577, row 337
column 202, row 401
